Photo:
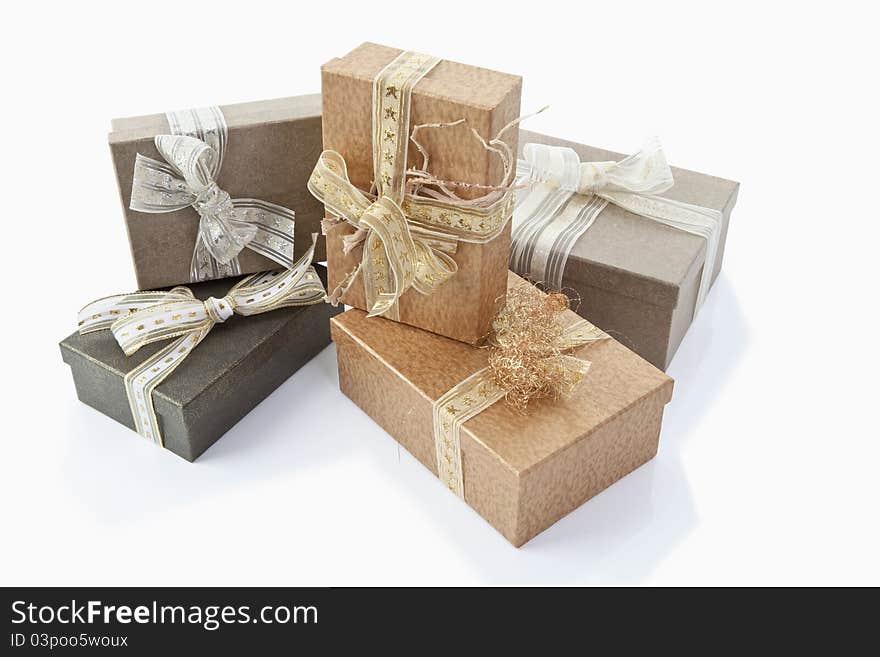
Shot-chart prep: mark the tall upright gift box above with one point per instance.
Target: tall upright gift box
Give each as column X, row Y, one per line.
column 413, row 183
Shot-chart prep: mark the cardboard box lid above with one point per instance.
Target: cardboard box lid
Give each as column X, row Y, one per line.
column 634, row 256
column 463, row 84
column 617, row 380
column 450, row 91
column 237, row 115
column 225, row 347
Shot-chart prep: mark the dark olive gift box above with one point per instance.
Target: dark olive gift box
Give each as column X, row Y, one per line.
column 233, row 369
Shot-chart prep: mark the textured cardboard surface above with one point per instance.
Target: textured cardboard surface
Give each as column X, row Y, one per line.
column 521, row 473
column 464, row 306
column 273, row 146
column 233, row 369
column 637, row 278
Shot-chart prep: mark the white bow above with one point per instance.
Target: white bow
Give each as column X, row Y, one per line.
column 564, row 196
column 191, row 161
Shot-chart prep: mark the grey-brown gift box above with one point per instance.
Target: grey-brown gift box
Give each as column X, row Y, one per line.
column 240, row 363
column 271, row 149
column 638, row 279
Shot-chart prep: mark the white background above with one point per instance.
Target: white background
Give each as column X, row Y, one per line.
column 767, row 472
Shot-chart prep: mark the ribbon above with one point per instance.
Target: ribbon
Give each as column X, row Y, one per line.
column 565, row 196
column 479, row 391
column 408, row 236
column 193, row 155
column 142, row 318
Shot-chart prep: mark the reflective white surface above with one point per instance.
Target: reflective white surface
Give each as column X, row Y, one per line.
column 767, row 467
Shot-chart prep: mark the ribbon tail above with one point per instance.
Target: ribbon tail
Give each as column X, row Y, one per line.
column 646, row 172
column 335, row 296
column 272, row 229
column 381, row 290
column 297, row 286
column 694, row 219
column 389, row 259
column 579, row 334
column 101, row 314
column 205, row 267
column 142, row 380
column 433, row 268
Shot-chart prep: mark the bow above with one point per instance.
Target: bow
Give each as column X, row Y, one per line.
column 193, row 157
column 407, row 236
column 566, row 196
column 529, row 358
column 142, row 318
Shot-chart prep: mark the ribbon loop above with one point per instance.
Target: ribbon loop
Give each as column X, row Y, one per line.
column 193, row 160
column 593, row 177
column 142, row 318
column 193, row 156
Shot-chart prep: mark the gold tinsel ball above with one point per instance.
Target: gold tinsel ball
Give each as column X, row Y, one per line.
column 557, row 302
column 525, row 355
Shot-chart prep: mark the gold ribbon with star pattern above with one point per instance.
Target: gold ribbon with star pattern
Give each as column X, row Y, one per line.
column 408, row 237
column 477, row 393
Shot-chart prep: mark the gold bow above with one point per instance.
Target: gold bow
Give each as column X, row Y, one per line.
column 142, row 318
column 407, row 236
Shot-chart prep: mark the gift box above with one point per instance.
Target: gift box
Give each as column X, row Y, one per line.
column 463, row 305
column 259, row 158
column 638, row 265
column 520, row 472
column 237, row 365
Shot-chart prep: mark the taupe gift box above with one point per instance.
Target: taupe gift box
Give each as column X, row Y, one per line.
column 271, row 149
column 638, row 279
column 521, row 473
column 463, row 307
column 233, row 369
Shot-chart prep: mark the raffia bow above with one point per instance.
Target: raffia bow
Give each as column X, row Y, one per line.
column 141, row 318
column 193, row 158
column 409, row 227
column 528, row 359
column 565, row 196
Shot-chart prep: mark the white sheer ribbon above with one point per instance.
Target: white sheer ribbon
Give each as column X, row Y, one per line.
column 561, row 197
column 193, row 156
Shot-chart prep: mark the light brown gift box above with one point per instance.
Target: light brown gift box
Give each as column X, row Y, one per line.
column 521, row 473
column 273, row 146
column 464, row 306
column 637, row 278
